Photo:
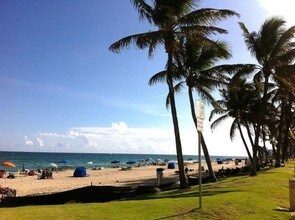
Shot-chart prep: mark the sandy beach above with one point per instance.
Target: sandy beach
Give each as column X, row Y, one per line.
column 64, row 180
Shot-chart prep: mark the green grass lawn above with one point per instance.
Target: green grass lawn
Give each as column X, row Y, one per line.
column 240, row 197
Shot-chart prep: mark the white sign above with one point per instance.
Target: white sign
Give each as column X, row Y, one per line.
column 200, row 124
column 200, row 110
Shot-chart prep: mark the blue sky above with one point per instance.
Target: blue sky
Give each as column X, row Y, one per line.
column 62, row 90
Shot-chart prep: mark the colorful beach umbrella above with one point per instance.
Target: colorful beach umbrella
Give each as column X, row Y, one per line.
column 8, row 163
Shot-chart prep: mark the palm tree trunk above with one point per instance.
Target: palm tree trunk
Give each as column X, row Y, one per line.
column 253, row 171
column 204, row 146
column 286, row 132
column 280, row 136
column 182, row 177
column 244, row 141
column 249, row 134
column 259, row 123
column 265, row 149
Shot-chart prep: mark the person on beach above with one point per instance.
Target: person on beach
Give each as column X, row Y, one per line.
column 3, row 173
column 6, row 191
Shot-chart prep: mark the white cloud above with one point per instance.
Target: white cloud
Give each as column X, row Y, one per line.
column 28, row 142
column 119, row 138
column 121, row 126
column 283, row 8
column 40, row 142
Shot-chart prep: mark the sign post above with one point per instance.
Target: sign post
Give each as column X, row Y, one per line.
column 200, row 118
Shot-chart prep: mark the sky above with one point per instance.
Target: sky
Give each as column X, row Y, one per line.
column 62, row 90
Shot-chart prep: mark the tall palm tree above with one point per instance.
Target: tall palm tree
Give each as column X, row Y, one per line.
column 190, row 66
column 238, row 100
column 173, row 18
column 284, row 100
column 274, row 49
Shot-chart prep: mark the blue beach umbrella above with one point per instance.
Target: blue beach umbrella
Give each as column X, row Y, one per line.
column 115, row 161
column 149, row 160
column 64, row 161
column 131, row 162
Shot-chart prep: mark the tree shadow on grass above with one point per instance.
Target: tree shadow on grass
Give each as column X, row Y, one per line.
column 182, row 194
column 171, row 190
column 178, row 215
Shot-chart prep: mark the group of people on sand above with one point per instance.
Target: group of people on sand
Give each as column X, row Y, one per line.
column 42, row 173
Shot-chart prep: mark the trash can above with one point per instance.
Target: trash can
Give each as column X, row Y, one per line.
column 292, row 194
column 159, row 175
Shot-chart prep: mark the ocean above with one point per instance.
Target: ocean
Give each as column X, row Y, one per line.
column 35, row 160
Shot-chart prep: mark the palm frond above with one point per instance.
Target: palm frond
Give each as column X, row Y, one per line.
column 218, row 121
column 211, row 54
column 205, row 95
column 158, row 77
column 269, row 34
column 286, row 57
column 168, row 101
column 284, row 40
column 232, row 69
column 217, row 110
column 145, row 11
column 251, row 41
column 206, row 16
column 287, row 82
column 285, row 71
column 178, row 87
column 142, row 41
column 196, row 30
column 233, row 129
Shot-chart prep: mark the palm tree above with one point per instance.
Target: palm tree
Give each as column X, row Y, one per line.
column 239, row 98
column 190, row 66
column 274, row 49
column 284, row 101
column 172, row 19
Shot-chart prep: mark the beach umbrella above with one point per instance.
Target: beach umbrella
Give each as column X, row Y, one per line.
column 8, row 163
column 64, row 161
column 115, row 161
column 131, row 162
column 148, row 159
column 53, row 165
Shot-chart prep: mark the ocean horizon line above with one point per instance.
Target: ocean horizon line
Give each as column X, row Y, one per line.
column 46, row 152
